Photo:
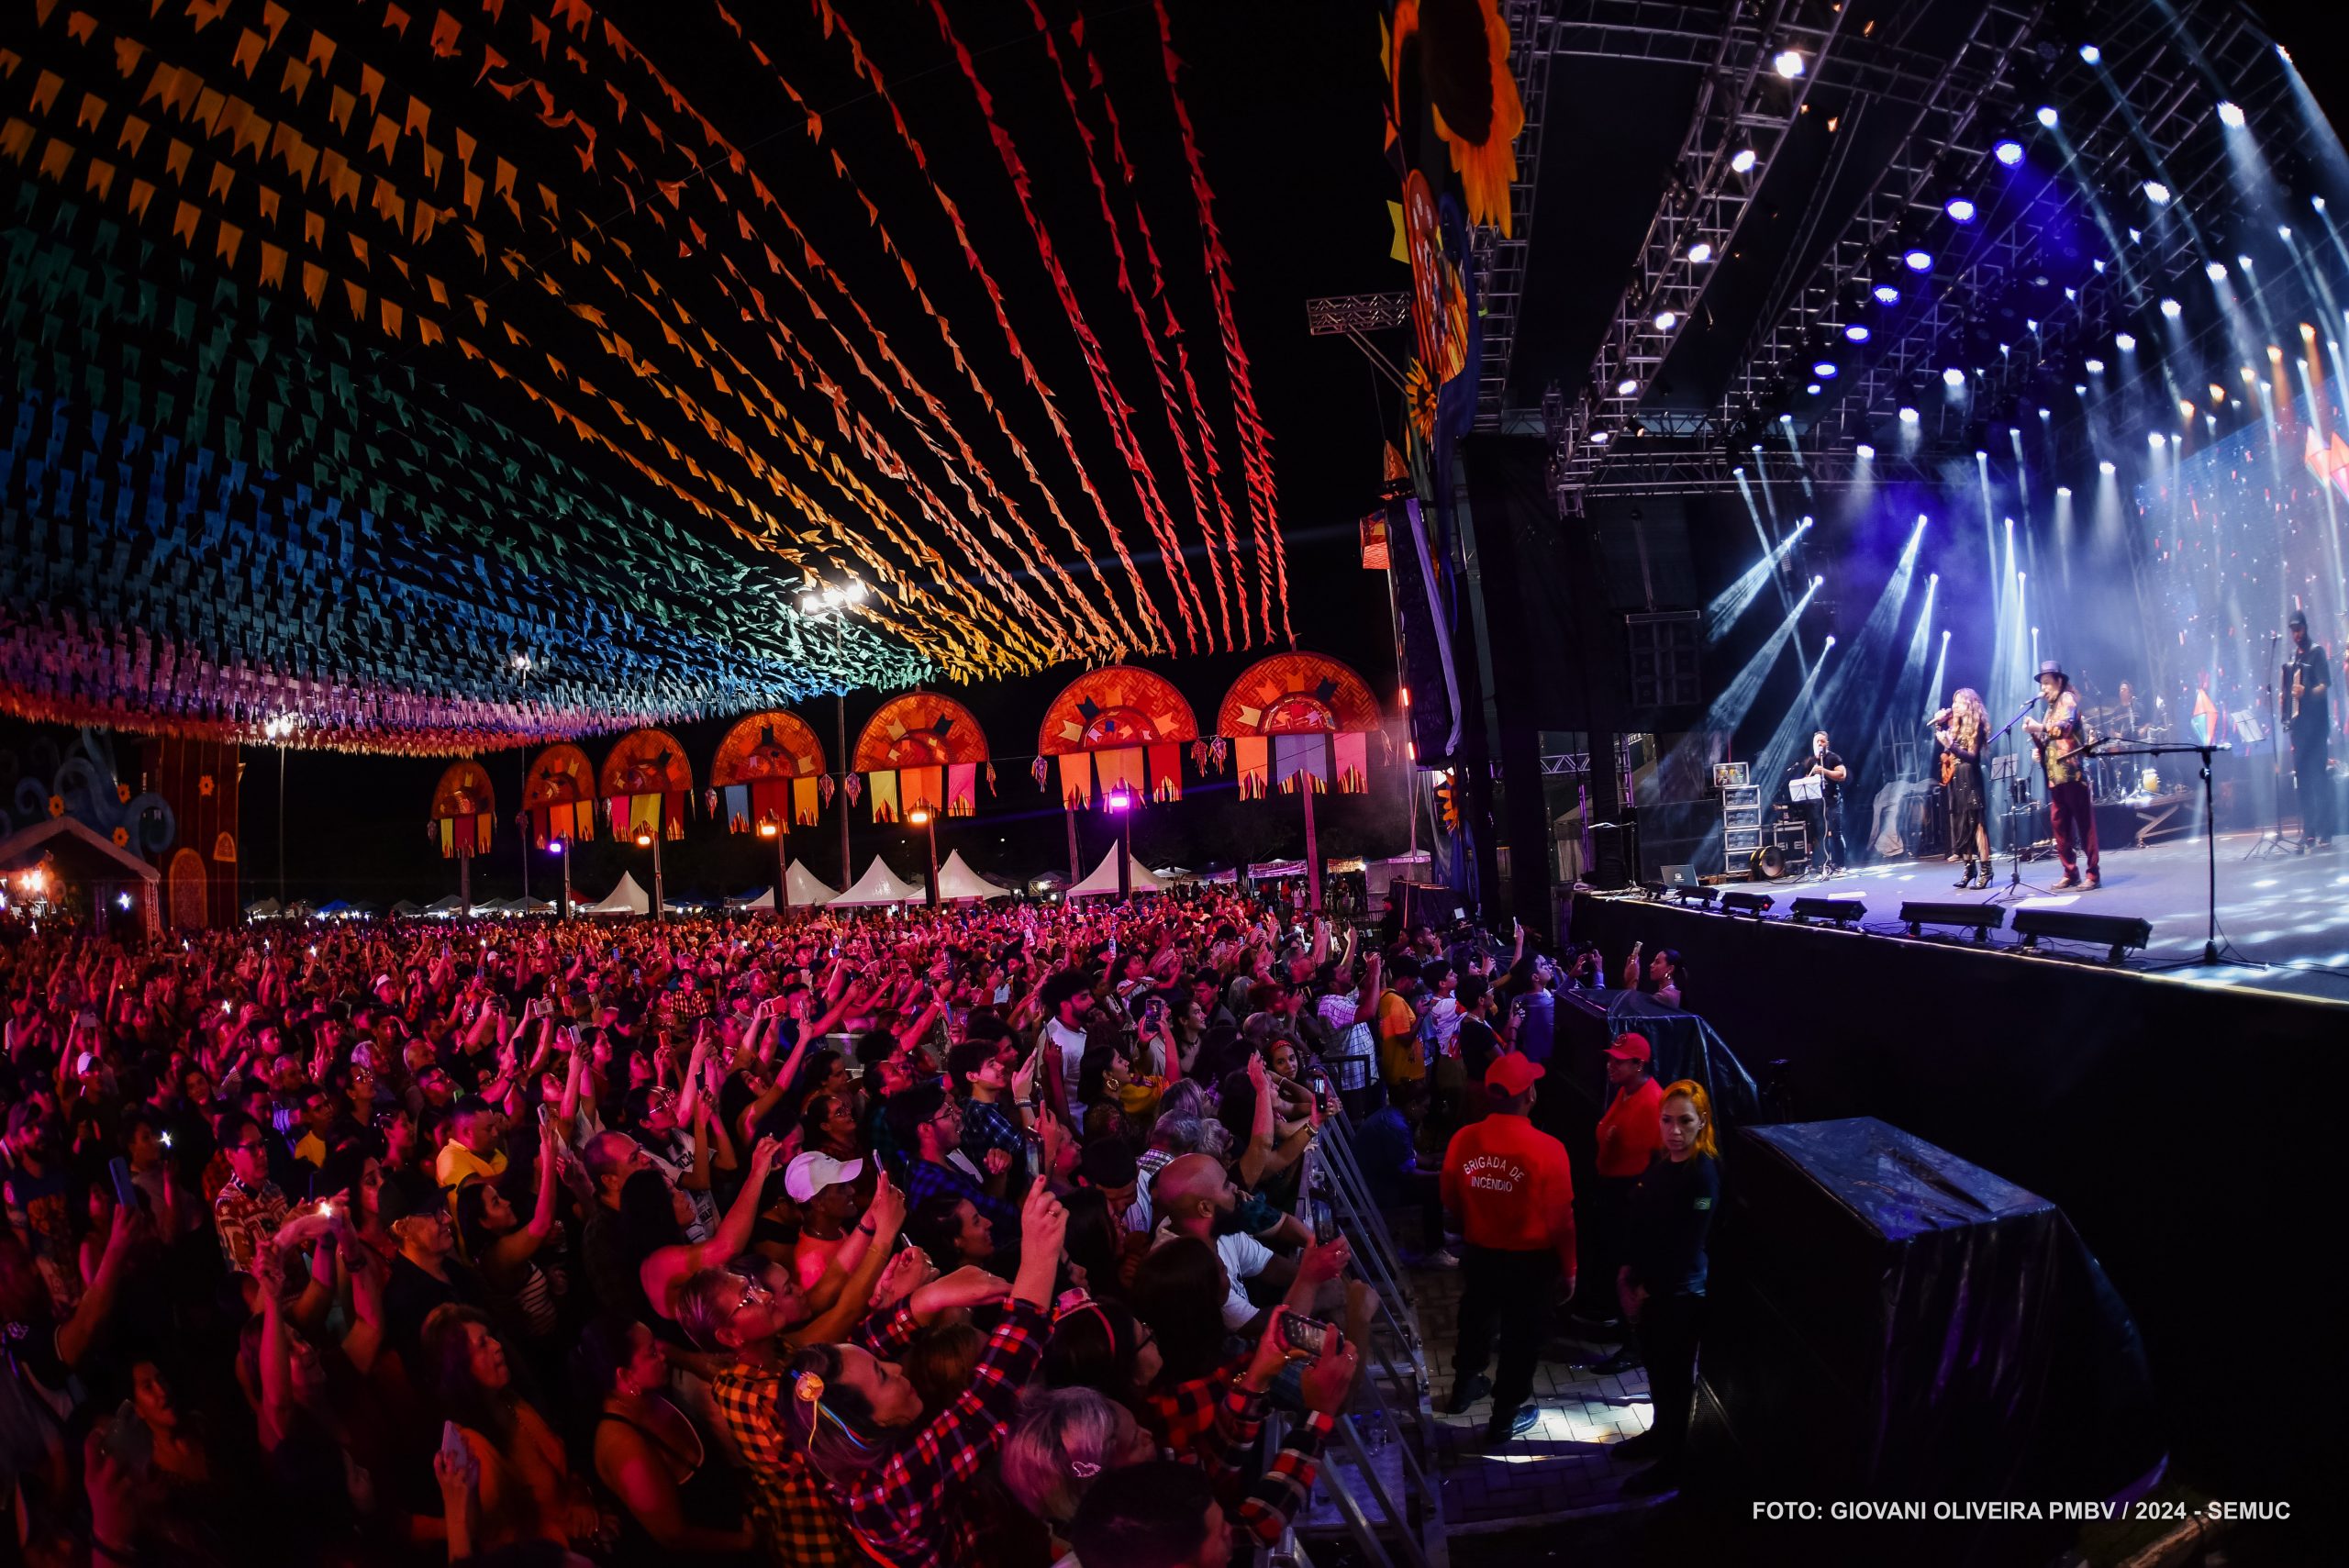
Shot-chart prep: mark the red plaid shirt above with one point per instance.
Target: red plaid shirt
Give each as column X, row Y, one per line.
column 1213, row 1423
column 914, row 1511
column 797, row 1523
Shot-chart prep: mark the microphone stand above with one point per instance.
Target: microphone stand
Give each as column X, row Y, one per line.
column 2016, row 886
column 2272, row 841
column 2211, row 948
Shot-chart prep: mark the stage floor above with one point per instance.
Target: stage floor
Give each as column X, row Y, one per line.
column 2286, row 916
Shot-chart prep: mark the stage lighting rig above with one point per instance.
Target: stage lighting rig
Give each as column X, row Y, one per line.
column 2116, row 933
column 1980, row 918
column 1835, row 911
column 1737, row 901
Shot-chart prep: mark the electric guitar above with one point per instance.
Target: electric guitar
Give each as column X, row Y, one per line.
column 2056, row 748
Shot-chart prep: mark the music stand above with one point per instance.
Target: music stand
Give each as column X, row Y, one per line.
column 2016, row 886
column 2210, row 947
column 1804, row 791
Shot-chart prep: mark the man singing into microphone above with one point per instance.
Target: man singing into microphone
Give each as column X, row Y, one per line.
column 2307, row 715
column 2070, row 813
column 1827, row 815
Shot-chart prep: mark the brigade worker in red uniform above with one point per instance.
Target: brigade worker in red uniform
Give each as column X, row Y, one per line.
column 1513, row 1193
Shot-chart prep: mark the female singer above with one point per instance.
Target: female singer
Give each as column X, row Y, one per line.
column 1958, row 733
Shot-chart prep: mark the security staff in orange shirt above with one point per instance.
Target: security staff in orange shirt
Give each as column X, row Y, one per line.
column 1629, row 1133
column 1513, row 1192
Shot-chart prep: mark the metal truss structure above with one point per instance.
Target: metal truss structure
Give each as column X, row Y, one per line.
column 2140, row 112
column 2145, row 111
column 1500, row 262
column 1744, row 109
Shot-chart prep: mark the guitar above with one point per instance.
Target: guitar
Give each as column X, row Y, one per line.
column 2057, row 749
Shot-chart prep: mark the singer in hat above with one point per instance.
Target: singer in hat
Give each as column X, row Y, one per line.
column 2070, row 814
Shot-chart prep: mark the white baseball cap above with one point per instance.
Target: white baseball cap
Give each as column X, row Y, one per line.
column 811, row 1172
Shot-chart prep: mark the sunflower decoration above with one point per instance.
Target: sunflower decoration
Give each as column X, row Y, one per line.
column 204, row 785
column 57, row 805
column 1418, row 402
column 1462, row 51
column 122, row 793
column 122, row 838
column 1439, row 298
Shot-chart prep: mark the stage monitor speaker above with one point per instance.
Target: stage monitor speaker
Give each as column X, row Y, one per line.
column 1887, row 1320
column 1615, row 855
column 1767, row 864
column 1427, row 903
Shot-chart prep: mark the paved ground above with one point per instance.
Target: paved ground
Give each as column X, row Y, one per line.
column 1564, row 1465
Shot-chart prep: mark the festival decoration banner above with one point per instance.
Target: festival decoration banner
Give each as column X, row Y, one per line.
column 647, row 784
column 559, row 796
column 760, row 764
column 1281, row 714
column 478, row 391
column 908, row 745
column 1121, row 717
column 464, row 810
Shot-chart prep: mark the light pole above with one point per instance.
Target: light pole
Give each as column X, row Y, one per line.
column 279, row 729
column 814, row 603
column 920, row 817
column 782, row 865
column 649, row 838
column 1121, row 802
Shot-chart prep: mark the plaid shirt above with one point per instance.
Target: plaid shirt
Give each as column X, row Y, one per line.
column 985, row 1127
column 1208, row 1420
column 913, row 1511
column 927, row 1179
column 797, row 1522
column 1272, row 1502
column 247, row 1219
column 1213, row 1423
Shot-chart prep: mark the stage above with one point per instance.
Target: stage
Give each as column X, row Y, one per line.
column 2118, row 1093
column 2286, row 915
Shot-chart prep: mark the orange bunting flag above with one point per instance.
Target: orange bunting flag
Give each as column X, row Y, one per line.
column 1253, row 755
column 1076, row 780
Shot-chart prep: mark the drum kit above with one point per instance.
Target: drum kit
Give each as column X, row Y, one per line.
column 2121, row 778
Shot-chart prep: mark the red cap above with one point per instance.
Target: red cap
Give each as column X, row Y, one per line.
column 1630, row 1047
column 1511, row 1073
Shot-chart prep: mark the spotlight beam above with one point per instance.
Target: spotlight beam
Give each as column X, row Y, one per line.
column 1733, row 601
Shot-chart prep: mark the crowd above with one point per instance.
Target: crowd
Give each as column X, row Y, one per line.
column 968, row 1237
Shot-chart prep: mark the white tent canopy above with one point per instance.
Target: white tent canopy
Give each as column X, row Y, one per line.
column 451, row 905
column 626, row 898
column 1103, row 880
column 878, row 885
column 957, row 881
column 807, row 891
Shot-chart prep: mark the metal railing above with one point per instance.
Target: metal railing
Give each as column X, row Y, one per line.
column 1392, row 1526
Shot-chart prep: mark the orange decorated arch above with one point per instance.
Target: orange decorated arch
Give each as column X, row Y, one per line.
column 921, row 749
column 464, row 808
column 647, row 781
column 559, row 795
column 767, row 767
column 1279, row 714
column 1126, row 725
column 1297, row 693
column 1114, row 708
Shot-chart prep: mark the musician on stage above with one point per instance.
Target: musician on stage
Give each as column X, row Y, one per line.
column 2069, row 811
column 1826, row 813
column 1959, row 731
column 2307, row 719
